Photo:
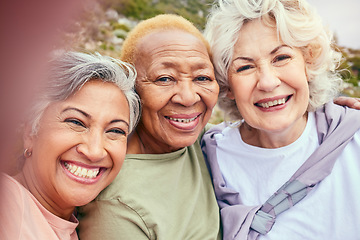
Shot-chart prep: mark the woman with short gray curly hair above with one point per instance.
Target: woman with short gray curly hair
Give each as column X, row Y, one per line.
column 288, row 168
column 69, row 71
column 74, row 145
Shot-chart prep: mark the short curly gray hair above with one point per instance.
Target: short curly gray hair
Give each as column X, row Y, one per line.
column 297, row 24
column 69, row 71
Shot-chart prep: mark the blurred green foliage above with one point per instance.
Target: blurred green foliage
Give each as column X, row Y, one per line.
column 96, row 31
column 193, row 10
column 350, row 71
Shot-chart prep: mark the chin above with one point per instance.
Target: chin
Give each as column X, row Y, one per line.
column 185, row 143
column 81, row 201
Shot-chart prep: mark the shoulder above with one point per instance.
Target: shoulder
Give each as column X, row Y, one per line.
column 334, row 112
column 356, row 140
column 15, row 192
column 214, row 129
column 222, row 129
column 12, row 207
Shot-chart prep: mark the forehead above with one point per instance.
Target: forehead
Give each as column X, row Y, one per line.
column 171, row 41
column 255, row 32
column 95, row 95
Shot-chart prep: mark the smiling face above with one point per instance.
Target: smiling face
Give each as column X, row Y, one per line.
column 268, row 81
column 79, row 148
column 177, row 87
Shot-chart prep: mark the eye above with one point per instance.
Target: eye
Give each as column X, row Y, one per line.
column 244, row 68
column 75, row 122
column 117, row 131
column 163, row 79
column 202, row 78
column 281, row 60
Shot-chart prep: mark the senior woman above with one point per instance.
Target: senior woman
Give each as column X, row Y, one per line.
column 74, row 145
column 164, row 190
column 291, row 169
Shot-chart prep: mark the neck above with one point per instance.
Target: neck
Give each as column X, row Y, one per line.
column 25, row 179
column 273, row 139
column 142, row 142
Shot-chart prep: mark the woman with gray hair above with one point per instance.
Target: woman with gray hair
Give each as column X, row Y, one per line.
column 74, row 145
column 288, row 168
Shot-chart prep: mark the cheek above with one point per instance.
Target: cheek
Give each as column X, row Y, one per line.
column 117, row 154
column 296, row 71
column 118, row 162
column 242, row 89
column 54, row 145
column 51, row 144
column 154, row 100
column 210, row 100
column 150, row 110
column 300, row 81
column 209, row 95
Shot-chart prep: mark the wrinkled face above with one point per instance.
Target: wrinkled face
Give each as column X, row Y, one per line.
column 80, row 146
column 267, row 79
column 177, row 88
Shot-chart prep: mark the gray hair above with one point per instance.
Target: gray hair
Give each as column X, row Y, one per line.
column 69, row 71
column 298, row 25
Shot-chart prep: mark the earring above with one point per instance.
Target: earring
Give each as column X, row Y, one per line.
column 27, row 153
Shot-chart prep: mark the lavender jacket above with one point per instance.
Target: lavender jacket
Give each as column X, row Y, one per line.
column 336, row 126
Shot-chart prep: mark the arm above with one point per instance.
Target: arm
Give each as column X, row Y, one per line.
column 348, row 101
column 110, row 219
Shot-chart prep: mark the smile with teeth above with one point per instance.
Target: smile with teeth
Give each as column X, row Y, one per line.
column 182, row 120
column 81, row 172
column 272, row 103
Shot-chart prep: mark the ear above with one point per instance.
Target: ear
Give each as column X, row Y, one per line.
column 28, row 137
column 312, row 52
column 230, row 94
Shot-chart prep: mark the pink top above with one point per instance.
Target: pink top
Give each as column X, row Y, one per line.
column 23, row 217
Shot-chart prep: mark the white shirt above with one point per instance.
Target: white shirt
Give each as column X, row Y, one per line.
column 330, row 211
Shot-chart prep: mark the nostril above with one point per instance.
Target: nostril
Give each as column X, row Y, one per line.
column 188, row 98
column 91, row 152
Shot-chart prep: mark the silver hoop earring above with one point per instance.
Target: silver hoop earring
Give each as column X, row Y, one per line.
column 27, row 153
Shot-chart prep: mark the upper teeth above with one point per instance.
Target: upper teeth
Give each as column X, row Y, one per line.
column 272, row 103
column 183, row 120
column 81, row 172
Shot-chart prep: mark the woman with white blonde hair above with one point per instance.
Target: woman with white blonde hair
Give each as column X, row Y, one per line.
column 288, row 167
column 164, row 189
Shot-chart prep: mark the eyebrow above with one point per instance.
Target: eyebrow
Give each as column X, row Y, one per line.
column 272, row 52
column 277, row 48
column 89, row 116
column 120, row 120
column 244, row 58
column 78, row 110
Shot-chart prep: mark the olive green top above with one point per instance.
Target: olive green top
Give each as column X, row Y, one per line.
column 155, row 196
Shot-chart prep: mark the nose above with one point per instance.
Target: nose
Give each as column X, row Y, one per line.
column 186, row 94
column 267, row 79
column 92, row 147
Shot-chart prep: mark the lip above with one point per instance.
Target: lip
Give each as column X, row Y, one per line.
column 79, row 179
column 266, row 103
column 184, row 122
